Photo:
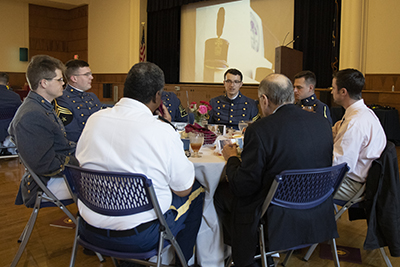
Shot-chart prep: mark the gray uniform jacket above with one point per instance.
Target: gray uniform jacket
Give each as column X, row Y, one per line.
column 41, row 141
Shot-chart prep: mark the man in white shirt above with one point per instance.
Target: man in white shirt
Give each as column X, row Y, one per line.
column 129, row 138
column 359, row 137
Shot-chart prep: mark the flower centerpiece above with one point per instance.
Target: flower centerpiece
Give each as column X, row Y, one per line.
column 200, row 112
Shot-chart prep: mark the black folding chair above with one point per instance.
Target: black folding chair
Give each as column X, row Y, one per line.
column 357, row 201
column 44, row 198
column 300, row 190
column 119, row 194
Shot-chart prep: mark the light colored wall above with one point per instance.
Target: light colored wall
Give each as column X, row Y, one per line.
column 383, row 37
column 113, row 35
column 370, row 36
column 14, row 32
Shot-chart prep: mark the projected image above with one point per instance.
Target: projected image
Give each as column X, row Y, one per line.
column 233, row 39
column 234, row 34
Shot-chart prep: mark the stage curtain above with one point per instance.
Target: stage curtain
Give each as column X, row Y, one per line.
column 317, row 25
column 163, row 35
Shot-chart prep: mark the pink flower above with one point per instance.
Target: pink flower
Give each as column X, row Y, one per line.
column 203, row 109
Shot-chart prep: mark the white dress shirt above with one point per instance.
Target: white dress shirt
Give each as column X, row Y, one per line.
column 358, row 139
column 128, row 138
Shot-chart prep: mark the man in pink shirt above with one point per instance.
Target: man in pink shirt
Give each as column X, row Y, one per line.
column 359, row 137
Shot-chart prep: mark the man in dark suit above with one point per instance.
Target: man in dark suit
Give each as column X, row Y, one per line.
column 285, row 138
column 8, row 101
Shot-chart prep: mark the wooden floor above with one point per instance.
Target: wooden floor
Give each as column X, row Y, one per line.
column 51, row 246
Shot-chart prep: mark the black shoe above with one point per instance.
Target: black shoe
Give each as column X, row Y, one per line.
column 88, row 252
column 270, row 261
column 4, row 152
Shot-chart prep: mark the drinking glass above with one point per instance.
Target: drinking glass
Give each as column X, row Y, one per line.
column 196, row 141
column 242, row 125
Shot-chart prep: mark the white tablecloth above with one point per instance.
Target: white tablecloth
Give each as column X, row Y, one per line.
column 210, row 246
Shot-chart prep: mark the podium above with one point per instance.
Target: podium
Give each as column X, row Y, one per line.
column 288, row 61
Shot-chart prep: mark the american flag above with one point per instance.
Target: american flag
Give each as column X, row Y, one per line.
column 142, row 52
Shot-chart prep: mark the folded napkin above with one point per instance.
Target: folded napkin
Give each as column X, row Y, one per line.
column 209, row 136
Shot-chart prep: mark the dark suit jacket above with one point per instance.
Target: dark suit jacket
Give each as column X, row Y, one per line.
column 382, row 203
column 291, row 138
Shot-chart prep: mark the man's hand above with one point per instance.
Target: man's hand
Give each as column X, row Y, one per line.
column 229, row 150
column 166, row 114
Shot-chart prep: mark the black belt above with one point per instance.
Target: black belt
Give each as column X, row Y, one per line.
column 115, row 233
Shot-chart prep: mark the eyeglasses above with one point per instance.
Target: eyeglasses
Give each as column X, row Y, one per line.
column 230, row 81
column 87, row 74
column 58, row 80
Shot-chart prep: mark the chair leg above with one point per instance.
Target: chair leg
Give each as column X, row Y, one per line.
column 262, row 246
column 229, row 262
column 26, row 233
column 75, row 246
column 334, row 253
column 385, row 257
column 100, row 257
column 288, row 255
column 310, row 252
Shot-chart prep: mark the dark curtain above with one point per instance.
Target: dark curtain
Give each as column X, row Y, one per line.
column 317, row 25
column 163, row 35
column 163, row 41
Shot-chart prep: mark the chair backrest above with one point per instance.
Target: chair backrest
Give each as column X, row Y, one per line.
column 111, row 193
column 304, row 189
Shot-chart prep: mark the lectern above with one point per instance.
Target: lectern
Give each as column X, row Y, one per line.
column 288, row 61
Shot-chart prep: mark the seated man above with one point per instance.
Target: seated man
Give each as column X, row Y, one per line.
column 38, row 132
column 233, row 107
column 76, row 105
column 304, row 85
column 359, row 137
column 271, row 145
column 176, row 110
column 128, row 138
column 8, row 100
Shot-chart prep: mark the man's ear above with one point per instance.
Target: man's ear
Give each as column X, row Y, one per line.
column 343, row 91
column 264, row 100
column 73, row 79
column 43, row 83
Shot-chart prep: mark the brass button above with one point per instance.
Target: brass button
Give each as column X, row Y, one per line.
column 29, row 191
column 29, row 183
column 82, row 115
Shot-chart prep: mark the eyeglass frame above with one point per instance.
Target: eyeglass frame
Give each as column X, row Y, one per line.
column 87, row 74
column 231, row 82
column 59, row 80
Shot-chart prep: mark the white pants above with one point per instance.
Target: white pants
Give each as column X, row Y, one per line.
column 58, row 187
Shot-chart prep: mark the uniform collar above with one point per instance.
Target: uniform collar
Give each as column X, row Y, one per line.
column 38, row 98
column 309, row 100
column 72, row 89
column 239, row 96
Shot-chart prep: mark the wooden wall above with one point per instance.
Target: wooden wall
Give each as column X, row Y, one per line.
column 57, row 32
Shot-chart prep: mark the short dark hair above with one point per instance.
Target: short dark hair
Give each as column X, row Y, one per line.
column 4, row 78
column 308, row 76
column 234, row 72
column 42, row 67
column 143, row 82
column 73, row 65
column 351, row 79
column 278, row 88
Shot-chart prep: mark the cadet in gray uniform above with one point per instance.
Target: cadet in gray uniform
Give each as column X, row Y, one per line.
column 38, row 132
column 233, row 107
column 304, row 85
column 76, row 105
